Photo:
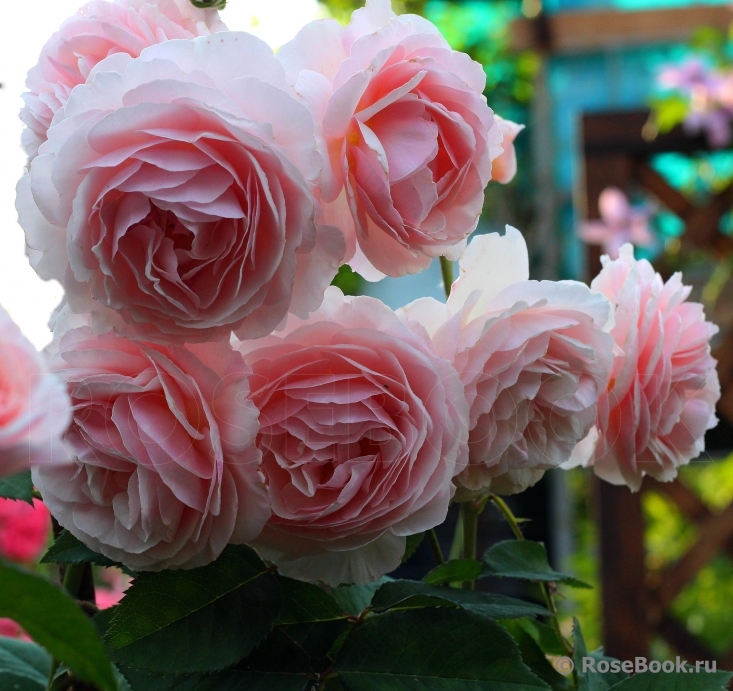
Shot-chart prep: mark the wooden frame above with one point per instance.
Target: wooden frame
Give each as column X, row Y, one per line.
column 569, row 32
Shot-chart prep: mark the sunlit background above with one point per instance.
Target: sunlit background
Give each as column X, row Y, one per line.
column 25, row 28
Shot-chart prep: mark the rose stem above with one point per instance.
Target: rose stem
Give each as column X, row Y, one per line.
column 73, row 576
column 446, row 268
column 546, row 592
column 435, row 547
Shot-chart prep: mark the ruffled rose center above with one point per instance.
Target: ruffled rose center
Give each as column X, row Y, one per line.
column 339, row 440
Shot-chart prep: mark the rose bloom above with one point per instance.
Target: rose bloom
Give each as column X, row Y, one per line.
column 24, row 530
column 163, row 470
column 34, row 407
column 172, row 199
column 409, row 135
column 663, row 389
column 362, row 428
column 97, row 30
column 533, row 357
column 504, row 167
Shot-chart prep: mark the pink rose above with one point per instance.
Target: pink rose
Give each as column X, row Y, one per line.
column 172, row 198
column 533, row 357
column 24, row 530
column 504, row 167
column 10, row 629
column 34, row 408
column 362, row 428
column 663, row 389
column 408, row 131
column 97, row 30
column 164, row 472
column 115, row 583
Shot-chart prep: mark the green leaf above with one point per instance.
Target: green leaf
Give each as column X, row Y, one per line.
column 545, row 636
column 414, row 595
column 526, row 560
column 536, row 660
column 19, row 487
column 209, row 4
column 200, row 620
column 277, row 665
column 433, row 649
column 592, row 681
column 676, row 681
column 54, row 621
column 67, row 549
column 412, row 542
column 453, row 571
column 23, row 666
column 354, row 599
column 311, row 618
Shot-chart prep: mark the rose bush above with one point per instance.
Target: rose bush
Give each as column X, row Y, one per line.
column 163, row 471
column 533, row 357
column 409, row 135
column 362, row 428
column 172, row 199
column 97, row 30
column 664, row 386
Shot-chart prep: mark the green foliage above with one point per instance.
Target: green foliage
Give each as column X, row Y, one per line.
column 454, row 571
column 526, row 560
column 354, row 599
column 535, row 658
column 54, row 621
column 231, row 604
column 19, row 487
column 438, row 648
column 675, row 681
column 591, row 681
column 348, row 281
column 66, row 549
column 669, row 111
column 412, row 544
column 209, row 4
column 413, row 595
column 23, row 666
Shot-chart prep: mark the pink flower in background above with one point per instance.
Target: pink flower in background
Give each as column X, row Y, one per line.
column 504, row 167
column 172, row 199
column 115, row 583
column 24, row 530
column 34, row 408
column 663, row 389
column 409, row 135
column 620, row 223
column 9, row 629
column 362, row 428
column 709, row 92
column 97, row 30
column 163, row 471
column 534, row 358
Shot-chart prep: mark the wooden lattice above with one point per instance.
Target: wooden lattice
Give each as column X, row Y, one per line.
column 636, row 601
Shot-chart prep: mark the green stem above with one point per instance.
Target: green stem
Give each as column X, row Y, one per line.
column 456, row 548
column 446, row 268
column 545, row 587
column 72, row 582
column 469, row 517
column 435, row 547
column 73, row 576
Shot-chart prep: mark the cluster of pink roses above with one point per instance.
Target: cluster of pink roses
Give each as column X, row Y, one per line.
column 195, row 195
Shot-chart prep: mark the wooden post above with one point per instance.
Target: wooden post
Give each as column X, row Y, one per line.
column 625, row 626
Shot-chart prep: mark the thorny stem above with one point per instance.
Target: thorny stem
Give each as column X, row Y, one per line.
column 435, row 547
column 446, row 268
column 545, row 587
